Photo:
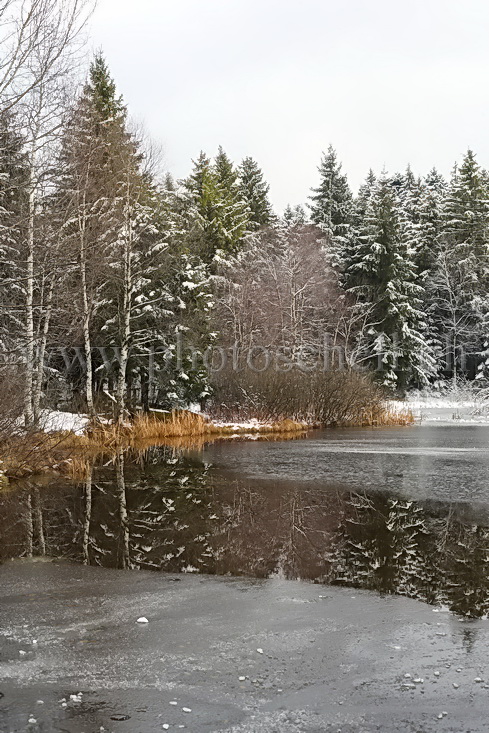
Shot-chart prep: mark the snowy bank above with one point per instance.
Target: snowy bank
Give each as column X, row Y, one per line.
column 54, row 421
column 446, row 409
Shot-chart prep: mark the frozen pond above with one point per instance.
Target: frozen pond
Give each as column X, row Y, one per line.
column 229, row 655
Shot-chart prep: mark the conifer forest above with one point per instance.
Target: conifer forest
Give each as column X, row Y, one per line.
column 123, row 288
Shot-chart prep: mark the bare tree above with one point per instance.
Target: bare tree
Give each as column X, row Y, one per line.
column 35, row 36
column 280, row 293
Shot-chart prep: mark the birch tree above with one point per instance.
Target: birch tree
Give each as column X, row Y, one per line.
column 35, row 35
column 40, row 44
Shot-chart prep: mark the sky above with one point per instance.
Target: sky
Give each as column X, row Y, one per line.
column 386, row 82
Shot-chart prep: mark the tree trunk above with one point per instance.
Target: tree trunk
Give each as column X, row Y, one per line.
column 87, row 518
column 86, row 328
column 29, row 305
column 123, row 516
column 39, row 370
column 126, row 318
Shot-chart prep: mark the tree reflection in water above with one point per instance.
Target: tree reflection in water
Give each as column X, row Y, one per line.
column 167, row 510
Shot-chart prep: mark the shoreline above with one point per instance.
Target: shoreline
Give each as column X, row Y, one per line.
column 69, row 440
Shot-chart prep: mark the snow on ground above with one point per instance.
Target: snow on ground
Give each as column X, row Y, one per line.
column 53, row 421
column 433, row 408
column 252, row 424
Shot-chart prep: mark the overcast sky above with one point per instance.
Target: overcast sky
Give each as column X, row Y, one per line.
column 387, row 82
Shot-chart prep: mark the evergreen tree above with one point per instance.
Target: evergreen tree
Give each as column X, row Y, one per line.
column 254, row 191
column 332, row 202
column 294, row 216
column 202, row 209
column 233, row 209
column 430, row 221
column 95, row 146
column 408, row 193
column 349, row 250
column 361, row 201
column 101, row 90
column 217, row 214
column 466, row 215
column 382, row 275
column 459, row 284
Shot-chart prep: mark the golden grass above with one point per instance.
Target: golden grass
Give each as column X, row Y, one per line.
column 385, row 416
column 177, row 424
column 69, row 454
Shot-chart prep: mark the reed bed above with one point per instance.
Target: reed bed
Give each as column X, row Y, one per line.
column 177, row 424
column 386, row 416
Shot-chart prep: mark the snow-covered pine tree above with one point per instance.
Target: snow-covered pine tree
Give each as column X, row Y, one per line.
column 433, row 189
column 202, row 209
column 349, row 250
column 331, row 204
column 382, row 275
column 217, row 214
column 180, row 319
column 408, row 194
column 153, row 288
column 459, row 284
column 91, row 199
column 234, row 213
column 294, row 216
column 360, row 202
column 466, row 214
column 254, row 191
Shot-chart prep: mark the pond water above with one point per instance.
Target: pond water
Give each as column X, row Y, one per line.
column 401, row 510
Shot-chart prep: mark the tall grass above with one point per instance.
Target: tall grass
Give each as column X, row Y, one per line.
column 161, row 427
column 37, row 452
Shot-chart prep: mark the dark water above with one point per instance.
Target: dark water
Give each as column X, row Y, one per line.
column 401, row 511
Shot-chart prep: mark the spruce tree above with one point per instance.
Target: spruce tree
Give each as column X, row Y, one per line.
column 332, row 202
column 430, row 220
column 233, row 209
column 459, row 284
column 202, row 209
column 100, row 196
column 294, row 216
column 382, row 275
column 466, row 215
column 349, row 251
column 217, row 214
column 254, row 191
column 361, row 200
column 408, row 193
column 101, row 90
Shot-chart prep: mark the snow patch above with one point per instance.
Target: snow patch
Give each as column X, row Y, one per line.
column 54, row 421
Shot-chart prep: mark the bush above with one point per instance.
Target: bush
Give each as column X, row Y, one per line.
column 326, row 398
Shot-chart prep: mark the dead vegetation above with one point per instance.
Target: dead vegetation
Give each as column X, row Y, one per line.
column 160, row 427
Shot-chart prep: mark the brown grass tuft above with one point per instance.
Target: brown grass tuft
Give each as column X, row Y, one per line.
column 385, row 416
